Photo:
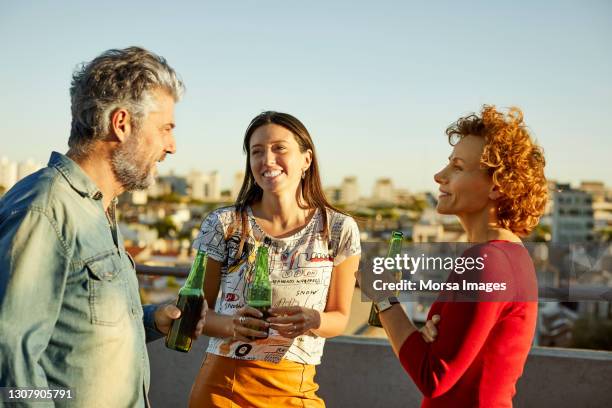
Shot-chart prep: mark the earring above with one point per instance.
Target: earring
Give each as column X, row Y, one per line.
column 303, row 174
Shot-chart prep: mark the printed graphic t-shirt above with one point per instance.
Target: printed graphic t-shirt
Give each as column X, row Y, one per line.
column 300, row 269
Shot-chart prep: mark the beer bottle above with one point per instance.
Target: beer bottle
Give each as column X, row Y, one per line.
column 394, row 248
column 259, row 290
column 190, row 301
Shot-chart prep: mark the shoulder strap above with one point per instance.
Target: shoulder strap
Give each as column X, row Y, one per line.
column 334, row 222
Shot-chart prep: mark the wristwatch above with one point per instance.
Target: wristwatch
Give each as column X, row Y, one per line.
column 385, row 304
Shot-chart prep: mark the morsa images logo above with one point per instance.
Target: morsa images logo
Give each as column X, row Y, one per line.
column 231, row 297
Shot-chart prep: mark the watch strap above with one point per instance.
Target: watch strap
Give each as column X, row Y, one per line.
column 385, row 304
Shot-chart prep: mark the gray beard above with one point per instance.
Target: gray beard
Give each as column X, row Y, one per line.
column 130, row 172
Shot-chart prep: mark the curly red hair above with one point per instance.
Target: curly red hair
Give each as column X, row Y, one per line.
column 515, row 164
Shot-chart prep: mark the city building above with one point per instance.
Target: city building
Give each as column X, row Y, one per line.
column 383, row 191
column 8, row 173
column 596, row 189
column 139, row 235
column 434, row 227
column 333, row 194
column 602, row 215
column 402, row 196
column 169, row 184
column 572, row 215
column 205, row 187
column 238, row 179
column 349, row 190
column 602, row 205
column 139, row 197
column 26, row 168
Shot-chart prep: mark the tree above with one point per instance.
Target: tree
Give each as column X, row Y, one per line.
column 605, row 235
column 541, row 233
column 165, row 228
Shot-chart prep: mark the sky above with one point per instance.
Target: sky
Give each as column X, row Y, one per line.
column 375, row 83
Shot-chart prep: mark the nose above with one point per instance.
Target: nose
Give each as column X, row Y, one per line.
column 269, row 157
column 171, row 144
column 439, row 177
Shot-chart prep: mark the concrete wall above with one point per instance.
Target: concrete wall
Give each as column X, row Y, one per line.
column 363, row 372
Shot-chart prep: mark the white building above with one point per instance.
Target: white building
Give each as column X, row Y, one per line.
column 597, row 189
column 139, row 234
column 237, row 184
column 159, row 188
column 139, row 197
column 205, row 187
column 333, row 194
column 572, row 215
column 349, row 190
column 434, row 227
column 602, row 214
column 8, row 173
column 26, row 168
column 602, row 204
column 180, row 216
column 383, row 191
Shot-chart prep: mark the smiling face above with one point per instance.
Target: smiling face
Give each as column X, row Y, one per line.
column 465, row 186
column 275, row 159
column 135, row 161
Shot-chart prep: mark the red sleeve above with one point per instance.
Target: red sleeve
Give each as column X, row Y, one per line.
column 463, row 329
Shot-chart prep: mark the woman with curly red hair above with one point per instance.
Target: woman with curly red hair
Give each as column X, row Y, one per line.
column 494, row 183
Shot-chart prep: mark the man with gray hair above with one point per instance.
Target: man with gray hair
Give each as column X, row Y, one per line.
column 70, row 311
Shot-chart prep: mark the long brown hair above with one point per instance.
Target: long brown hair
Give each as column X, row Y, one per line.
column 311, row 194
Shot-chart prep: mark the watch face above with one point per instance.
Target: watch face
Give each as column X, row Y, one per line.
column 383, row 305
column 386, row 303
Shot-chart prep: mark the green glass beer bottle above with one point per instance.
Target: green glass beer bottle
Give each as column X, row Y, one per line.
column 190, row 301
column 395, row 245
column 259, row 290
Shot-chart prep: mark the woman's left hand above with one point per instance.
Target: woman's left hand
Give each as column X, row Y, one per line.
column 293, row 321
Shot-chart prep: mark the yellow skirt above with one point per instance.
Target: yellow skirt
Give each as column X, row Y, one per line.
column 225, row 382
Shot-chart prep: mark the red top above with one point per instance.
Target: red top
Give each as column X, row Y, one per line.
column 481, row 347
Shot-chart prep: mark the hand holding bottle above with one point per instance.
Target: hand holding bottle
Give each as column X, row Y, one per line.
column 248, row 324
column 165, row 314
column 293, row 321
column 186, row 325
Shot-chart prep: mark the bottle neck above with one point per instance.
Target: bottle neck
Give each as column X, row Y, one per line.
column 395, row 245
column 198, row 270
column 261, row 266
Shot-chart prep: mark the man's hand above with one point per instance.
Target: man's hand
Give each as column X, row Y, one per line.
column 166, row 313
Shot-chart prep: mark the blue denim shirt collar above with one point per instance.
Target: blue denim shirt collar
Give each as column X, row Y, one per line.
column 75, row 176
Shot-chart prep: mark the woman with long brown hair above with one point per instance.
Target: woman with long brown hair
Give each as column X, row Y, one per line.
column 314, row 251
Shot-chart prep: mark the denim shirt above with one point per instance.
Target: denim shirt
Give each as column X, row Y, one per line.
column 70, row 311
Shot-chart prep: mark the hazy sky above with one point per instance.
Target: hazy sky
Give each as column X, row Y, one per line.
column 376, row 83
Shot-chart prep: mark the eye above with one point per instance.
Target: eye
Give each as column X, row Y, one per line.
column 455, row 167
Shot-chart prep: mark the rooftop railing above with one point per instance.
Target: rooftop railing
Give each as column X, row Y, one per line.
column 578, row 292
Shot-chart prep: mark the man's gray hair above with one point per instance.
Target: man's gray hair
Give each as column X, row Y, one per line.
column 116, row 79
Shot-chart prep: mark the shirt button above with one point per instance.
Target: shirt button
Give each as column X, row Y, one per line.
column 97, row 195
